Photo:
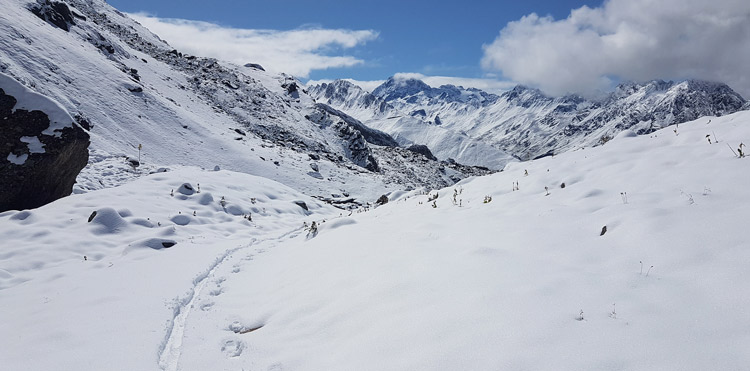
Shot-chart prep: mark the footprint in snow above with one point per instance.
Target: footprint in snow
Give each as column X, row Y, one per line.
column 233, row 347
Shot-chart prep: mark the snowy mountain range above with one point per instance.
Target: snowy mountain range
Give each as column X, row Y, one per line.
column 464, row 124
column 136, row 91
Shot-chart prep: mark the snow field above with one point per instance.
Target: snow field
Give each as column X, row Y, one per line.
column 88, row 295
column 495, row 285
column 501, row 285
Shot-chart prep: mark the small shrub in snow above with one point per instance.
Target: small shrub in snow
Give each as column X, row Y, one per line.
column 624, row 197
column 739, row 149
column 312, row 230
column 604, row 230
column 562, row 185
column 649, row 270
column 689, row 197
column 613, row 314
column 487, row 199
column 546, row 189
column 580, row 316
column 133, row 163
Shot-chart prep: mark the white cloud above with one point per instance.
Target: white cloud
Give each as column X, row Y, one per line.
column 296, row 52
column 629, row 40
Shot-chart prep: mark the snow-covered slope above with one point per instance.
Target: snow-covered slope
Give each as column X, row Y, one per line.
column 136, row 90
column 627, row 256
column 524, row 122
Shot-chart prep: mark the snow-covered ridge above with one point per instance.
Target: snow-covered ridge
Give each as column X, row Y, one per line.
column 526, row 123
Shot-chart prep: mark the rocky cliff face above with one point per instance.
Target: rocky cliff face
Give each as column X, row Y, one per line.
column 39, row 157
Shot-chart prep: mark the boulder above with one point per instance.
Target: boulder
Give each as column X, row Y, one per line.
column 42, row 149
column 382, row 200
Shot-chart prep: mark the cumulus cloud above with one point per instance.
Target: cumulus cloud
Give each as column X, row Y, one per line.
column 296, row 52
column 627, row 40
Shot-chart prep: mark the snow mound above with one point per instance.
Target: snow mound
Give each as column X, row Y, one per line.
column 107, row 221
column 155, row 243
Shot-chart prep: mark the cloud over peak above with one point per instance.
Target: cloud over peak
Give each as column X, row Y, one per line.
column 627, row 40
column 296, row 52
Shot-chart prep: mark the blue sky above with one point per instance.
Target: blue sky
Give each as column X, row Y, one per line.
column 556, row 50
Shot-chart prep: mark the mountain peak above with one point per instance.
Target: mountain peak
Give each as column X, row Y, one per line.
column 396, row 87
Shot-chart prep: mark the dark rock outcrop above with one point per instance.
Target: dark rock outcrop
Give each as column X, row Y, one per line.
column 382, row 200
column 373, row 136
column 35, row 168
column 422, row 150
column 55, row 13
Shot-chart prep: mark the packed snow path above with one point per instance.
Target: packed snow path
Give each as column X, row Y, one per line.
column 170, row 351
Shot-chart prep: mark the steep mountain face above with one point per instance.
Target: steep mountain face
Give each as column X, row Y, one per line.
column 410, row 125
column 417, row 92
column 523, row 121
column 148, row 101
